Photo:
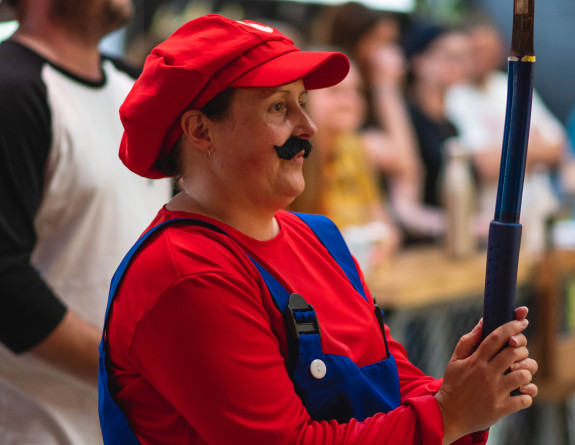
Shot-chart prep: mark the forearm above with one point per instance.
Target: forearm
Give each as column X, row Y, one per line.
column 543, row 151
column 30, row 309
column 228, row 399
column 417, row 218
column 540, row 151
column 73, row 347
column 486, row 163
column 394, row 120
column 407, row 425
column 34, row 320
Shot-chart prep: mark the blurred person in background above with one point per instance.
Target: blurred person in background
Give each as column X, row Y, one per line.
column 438, row 58
column 68, row 212
column 567, row 167
column 341, row 182
column 371, row 37
column 478, row 107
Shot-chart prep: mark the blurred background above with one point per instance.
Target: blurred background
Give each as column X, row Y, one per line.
column 407, row 160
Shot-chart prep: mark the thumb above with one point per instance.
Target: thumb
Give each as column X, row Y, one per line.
column 468, row 343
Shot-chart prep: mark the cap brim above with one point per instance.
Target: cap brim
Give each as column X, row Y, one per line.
column 317, row 69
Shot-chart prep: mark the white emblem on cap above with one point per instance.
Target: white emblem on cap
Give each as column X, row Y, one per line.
column 258, row 26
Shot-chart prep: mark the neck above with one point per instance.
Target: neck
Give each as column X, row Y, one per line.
column 256, row 224
column 431, row 100
column 480, row 82
column 76, row 55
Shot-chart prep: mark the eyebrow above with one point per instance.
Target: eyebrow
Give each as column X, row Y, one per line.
column 289, row 91
column 270, row 91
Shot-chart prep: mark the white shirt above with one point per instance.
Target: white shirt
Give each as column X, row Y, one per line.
column 92, row 210
column 479, row 115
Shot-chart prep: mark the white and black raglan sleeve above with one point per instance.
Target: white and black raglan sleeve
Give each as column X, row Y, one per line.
column 29, row 308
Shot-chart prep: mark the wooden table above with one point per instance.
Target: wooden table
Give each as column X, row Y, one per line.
column 427, row 275
column 554, row 348
column 421, row 278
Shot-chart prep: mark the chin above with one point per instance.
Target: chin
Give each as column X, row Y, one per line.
column 288, row 196
column 298, row 190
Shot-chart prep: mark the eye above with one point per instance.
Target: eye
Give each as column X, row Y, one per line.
column 279, row 107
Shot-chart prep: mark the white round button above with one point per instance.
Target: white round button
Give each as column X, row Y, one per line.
column 318, row 369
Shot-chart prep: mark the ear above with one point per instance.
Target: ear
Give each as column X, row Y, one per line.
column 196, row 129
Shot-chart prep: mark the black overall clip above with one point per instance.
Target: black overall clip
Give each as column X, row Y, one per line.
column 300, row 317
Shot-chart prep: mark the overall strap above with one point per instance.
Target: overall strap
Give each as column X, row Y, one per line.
column 330, row 236
column 277, row 291
column 325, row 230
column 115, row 428
column 281, row 296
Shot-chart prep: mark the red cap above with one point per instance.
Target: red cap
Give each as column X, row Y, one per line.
column 201, row 59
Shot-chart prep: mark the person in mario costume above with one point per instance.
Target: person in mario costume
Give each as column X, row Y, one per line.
column 232, row 321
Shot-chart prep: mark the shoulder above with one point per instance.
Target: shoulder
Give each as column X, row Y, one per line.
column 20, row 72
column 183, row 249
column 185, row 259
column 24, row 109
column 19, row 59
column 123, row 66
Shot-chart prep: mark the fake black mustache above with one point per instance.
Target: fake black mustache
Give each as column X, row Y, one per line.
column 292, row 147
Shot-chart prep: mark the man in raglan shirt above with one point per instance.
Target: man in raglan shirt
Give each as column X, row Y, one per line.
column 69, row 211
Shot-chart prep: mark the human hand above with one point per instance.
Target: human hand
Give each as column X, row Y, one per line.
column 527, row 363
column 479, row 379
column 388, row 66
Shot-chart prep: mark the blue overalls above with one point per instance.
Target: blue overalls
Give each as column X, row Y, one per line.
column 330, row 386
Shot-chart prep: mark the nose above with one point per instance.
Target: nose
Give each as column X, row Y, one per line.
column 305, row 128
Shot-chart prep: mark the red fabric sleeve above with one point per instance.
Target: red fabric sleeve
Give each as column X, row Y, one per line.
column 250, row 398
column 417, row 390
column 207, row 363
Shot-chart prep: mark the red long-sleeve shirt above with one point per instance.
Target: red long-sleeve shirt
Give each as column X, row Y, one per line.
column 198, row 348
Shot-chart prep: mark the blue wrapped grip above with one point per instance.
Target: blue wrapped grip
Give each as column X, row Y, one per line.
column 501, row 275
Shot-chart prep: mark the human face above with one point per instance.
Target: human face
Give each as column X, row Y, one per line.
column 245, row 161
column 487, row 49
column 446, row 62
column 384, row 33
column 91, row 20
column 341, row 108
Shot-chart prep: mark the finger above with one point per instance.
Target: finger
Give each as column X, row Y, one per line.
column 530, row 389
column 517, row 340
column 528, row 363
column 495, row 341
column 505, row 359
column 521, row 312
column 516, row 379
column 468, row 343
column 519, row 402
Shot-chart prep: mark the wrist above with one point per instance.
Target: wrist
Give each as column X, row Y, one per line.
column 450, row 434
column 386, row 88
